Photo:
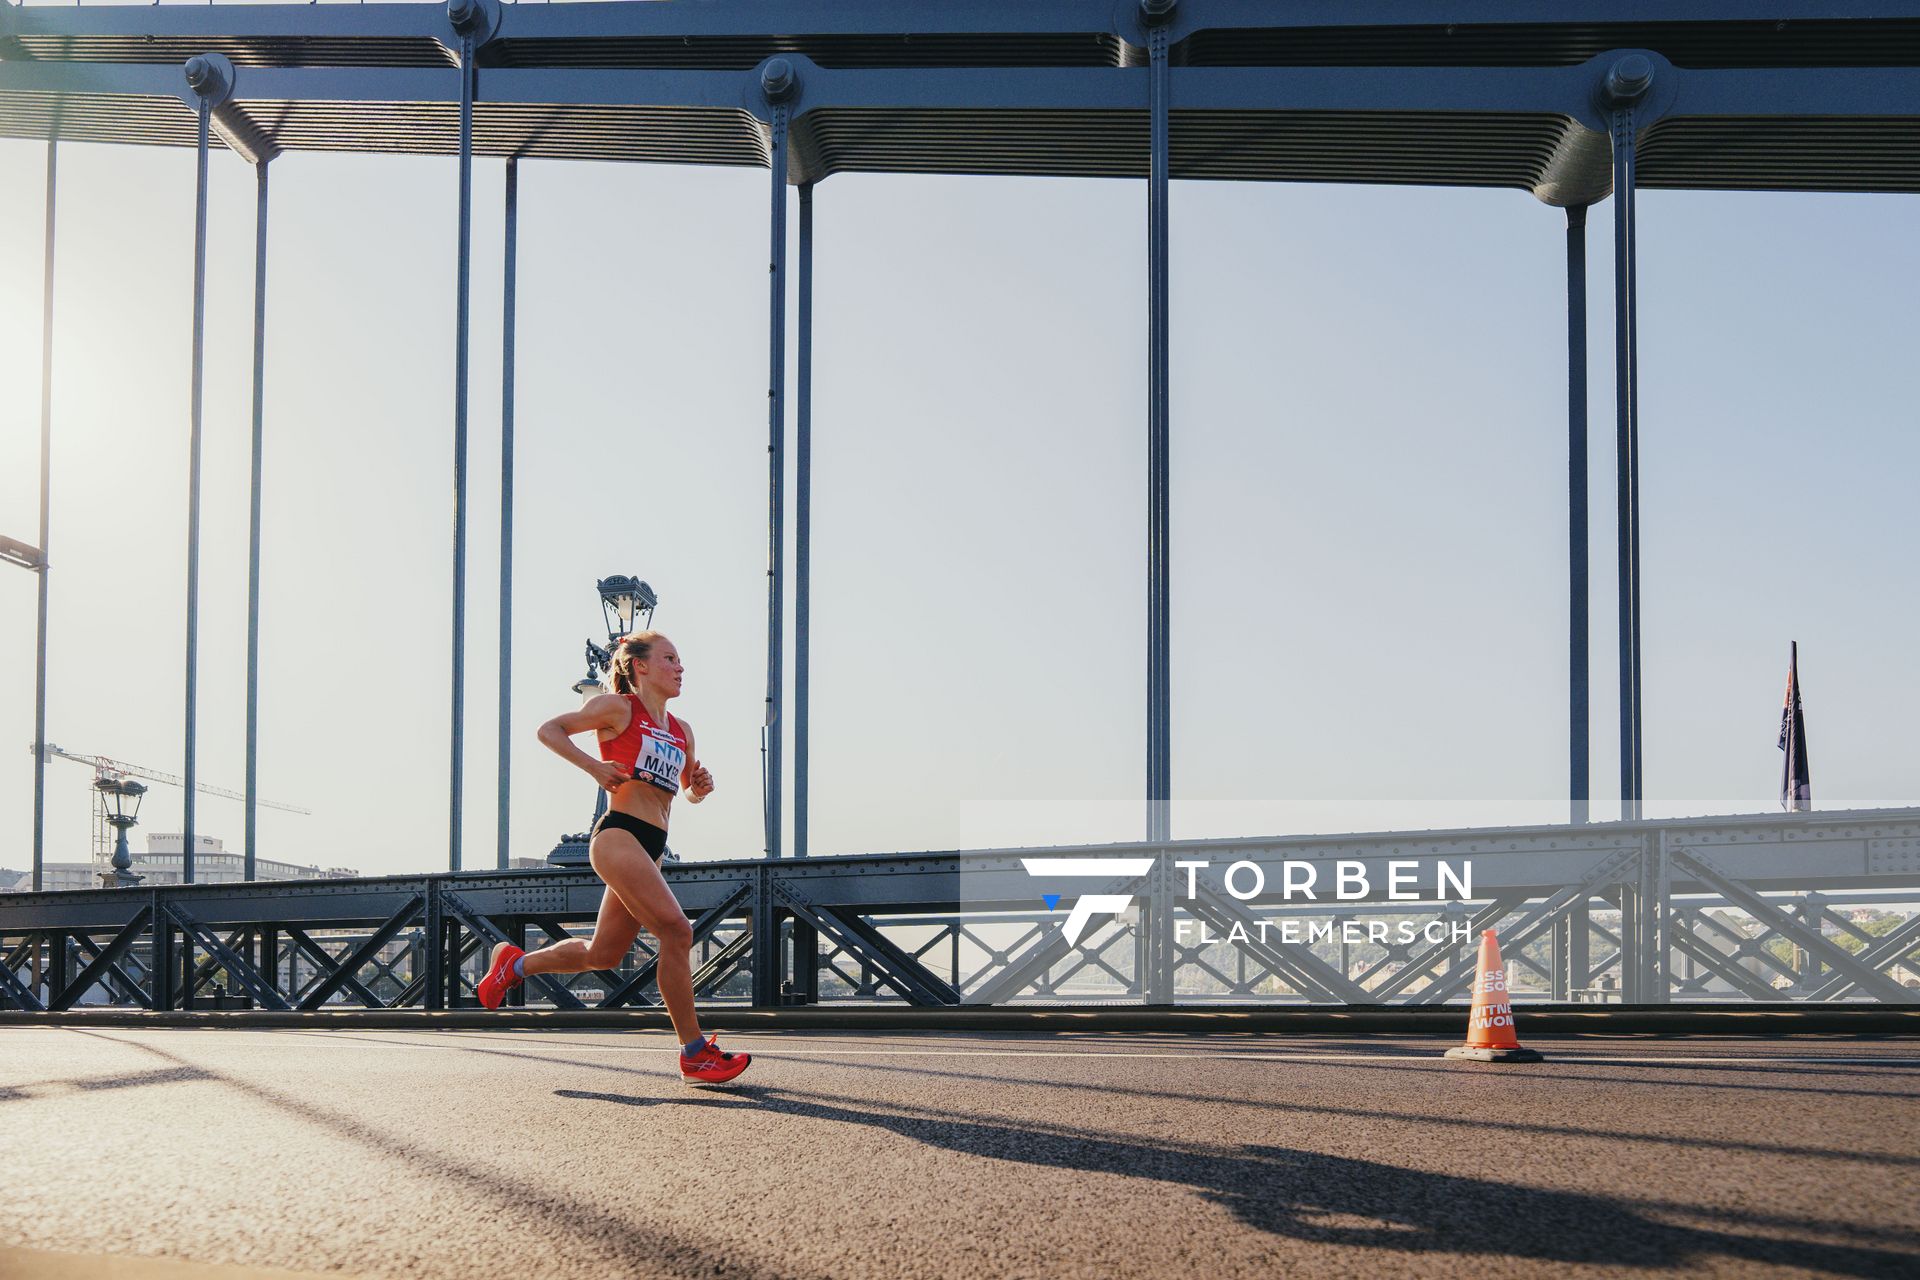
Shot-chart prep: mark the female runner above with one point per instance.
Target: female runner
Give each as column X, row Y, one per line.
column 646, row 757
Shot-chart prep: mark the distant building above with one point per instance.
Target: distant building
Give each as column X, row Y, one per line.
column 160, row 864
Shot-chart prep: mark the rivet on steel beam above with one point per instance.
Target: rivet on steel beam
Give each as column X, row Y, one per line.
column 778, row 80
column 204, row 76
column 1628, row 79
column 210, row 78
column 1156, row 11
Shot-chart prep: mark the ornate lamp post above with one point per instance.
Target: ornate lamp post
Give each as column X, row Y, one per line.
column 623, row 598
column 122, row 796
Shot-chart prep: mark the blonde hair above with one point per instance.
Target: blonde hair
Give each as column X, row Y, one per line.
column 628, row 650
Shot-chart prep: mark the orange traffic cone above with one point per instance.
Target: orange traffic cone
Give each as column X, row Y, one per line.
column 1490, row 1036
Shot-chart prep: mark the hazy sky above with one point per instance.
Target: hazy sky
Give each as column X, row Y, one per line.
column 1369, row 498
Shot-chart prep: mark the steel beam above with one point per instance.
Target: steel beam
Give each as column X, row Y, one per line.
column 264, row 993
column 1870, row 980
column 1159, row 671
column 461, row 336
column 1310, row 975
column 46, row 492
column 777, row 82
column 328, row 962
column 344, row 969
column 253, row 518
column 209, row 86
column 803, row 522
column 1310, row 121
column 1627, row 83
column 491, row 934
column 1578, row 594
column 161, row 960
column 18, row 994
column 108, row 972
column 504, row 763
column 857, row 936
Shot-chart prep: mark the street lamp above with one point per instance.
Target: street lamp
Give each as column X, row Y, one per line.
column 16, row 552
column 623, row 598
column 122, row 797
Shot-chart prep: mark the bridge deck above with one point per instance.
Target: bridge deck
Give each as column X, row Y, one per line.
column 425, row 1154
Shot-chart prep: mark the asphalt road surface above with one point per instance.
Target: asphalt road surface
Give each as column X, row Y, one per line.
column 517, row 1155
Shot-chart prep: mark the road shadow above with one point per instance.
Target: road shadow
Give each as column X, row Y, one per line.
column 94, row 1084
column 629, row 1100
column 1481, row 1124
column 634, row 1246
column 1369, row 1204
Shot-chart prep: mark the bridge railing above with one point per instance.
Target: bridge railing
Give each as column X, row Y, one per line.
column 1802, row 907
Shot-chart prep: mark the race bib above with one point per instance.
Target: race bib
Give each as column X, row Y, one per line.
column 660, row 761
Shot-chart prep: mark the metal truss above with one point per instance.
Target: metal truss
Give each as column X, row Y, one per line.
column 1594, row 99
column 1643, row 913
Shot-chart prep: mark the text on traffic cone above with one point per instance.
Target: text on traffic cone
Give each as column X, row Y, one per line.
column 1490, row 1025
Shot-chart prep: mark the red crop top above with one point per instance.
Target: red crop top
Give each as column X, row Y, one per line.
column 653, row 754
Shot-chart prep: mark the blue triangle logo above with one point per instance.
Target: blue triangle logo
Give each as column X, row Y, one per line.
column 1051, row 899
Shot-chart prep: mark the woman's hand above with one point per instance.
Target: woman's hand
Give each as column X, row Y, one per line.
column 699, row 783
column 609, row 775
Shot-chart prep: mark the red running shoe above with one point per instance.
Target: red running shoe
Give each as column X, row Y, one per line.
column 499, row 980
column 711, row 1066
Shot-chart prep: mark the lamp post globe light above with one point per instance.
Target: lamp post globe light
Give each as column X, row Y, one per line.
column 122, row 796
column 622, row 599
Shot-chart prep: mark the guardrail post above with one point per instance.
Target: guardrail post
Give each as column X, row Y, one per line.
column 160, row 962
column 57, row 963
column 1156, row 918
column 433, row 937
column 766, row 941
column 1656, row 881
column 268, row 942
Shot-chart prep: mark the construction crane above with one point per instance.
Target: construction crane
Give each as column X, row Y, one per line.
column 109, row 770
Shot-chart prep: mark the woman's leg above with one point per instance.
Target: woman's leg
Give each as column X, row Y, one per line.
column 613, row 935
column 631, row 874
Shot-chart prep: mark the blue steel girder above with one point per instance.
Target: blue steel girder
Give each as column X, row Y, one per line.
column 327, row 961
column 107, row 960
column 16, row 993
column 704, row 33
column 132, row 985
column 1527, row 127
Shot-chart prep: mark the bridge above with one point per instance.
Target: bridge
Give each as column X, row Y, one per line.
column 294, row 1078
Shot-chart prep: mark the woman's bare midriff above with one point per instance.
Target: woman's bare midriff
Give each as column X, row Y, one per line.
column 642, row 800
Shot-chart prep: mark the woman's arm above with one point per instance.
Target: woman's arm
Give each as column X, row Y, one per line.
column 696, row 780
column 604, row 712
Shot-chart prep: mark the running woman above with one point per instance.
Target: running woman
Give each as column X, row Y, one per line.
column 646, row 758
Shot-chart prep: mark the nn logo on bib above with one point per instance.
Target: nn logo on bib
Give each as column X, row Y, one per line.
column 1086, row 906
